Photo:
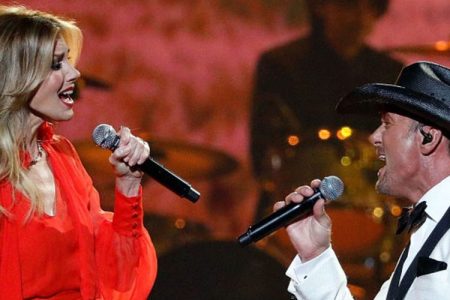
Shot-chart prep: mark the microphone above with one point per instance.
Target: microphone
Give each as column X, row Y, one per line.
column 105, row 136
column 330, row 189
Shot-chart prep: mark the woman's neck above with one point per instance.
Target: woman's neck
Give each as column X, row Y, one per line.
column 32, row 139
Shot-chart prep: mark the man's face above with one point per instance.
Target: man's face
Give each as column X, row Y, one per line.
column 347, row 23
column 398, row 146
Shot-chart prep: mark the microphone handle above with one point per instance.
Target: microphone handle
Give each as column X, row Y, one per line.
column 169, row 179
column 282, row 217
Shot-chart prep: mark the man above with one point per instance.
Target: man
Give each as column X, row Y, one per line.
column 298, row 84
column 413, row 142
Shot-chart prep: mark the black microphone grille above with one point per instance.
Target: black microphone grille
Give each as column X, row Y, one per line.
column 331, row 188
column 105, row 136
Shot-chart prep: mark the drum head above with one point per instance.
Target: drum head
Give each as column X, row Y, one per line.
column 217, row 270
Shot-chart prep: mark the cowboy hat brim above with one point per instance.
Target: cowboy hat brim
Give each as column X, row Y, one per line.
column 377, row 97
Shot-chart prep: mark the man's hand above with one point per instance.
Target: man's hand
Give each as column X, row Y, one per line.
column 311, row 235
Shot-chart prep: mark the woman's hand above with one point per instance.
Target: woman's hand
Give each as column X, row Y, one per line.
column 311, row 235
column 131, row 151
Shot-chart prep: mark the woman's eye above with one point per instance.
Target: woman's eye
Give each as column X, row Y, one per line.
column 56, row 65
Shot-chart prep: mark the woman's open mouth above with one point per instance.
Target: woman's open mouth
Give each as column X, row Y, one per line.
column 66, row 96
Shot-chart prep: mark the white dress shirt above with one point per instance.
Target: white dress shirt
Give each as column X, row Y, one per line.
column 324, row 279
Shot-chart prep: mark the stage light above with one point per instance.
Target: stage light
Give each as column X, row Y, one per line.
column 344, row 133
column 396, row 210
column 378, row 212
column 346, row 161
column 441, row 45
column 324, row 134
column 293, row 140
column 180, row 223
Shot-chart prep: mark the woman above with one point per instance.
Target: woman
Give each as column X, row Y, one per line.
column 55, row 241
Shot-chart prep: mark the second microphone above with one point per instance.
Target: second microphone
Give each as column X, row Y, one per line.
column 330, row 189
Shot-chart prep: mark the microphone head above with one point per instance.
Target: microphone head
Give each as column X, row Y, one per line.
column 105, row 136
column 331, row 188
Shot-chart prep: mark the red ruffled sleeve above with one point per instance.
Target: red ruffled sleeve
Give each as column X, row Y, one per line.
column 125, row 256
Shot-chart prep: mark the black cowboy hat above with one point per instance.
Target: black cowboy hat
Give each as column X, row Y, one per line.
column 422, row 91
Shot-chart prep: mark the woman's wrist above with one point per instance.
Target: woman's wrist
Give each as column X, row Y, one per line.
column 128, row 186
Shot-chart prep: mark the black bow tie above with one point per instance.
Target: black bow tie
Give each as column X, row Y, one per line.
column 412, row 218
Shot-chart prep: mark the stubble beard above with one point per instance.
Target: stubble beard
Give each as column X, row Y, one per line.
column 383, row 186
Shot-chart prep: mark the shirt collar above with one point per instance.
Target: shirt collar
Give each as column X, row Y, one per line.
column 438, row 199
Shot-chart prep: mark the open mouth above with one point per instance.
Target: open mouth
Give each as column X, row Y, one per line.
column 382, row 160
column 66, row 96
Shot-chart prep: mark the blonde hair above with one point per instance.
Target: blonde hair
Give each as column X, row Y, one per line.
column 27, row 41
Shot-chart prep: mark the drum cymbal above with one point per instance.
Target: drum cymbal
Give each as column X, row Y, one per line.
column 436, row 48
column 192, row 161
column 189, row 161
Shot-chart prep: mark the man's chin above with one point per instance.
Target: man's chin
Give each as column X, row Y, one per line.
column 381, row 187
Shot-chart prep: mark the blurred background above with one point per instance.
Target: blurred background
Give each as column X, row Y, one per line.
column 180, row 74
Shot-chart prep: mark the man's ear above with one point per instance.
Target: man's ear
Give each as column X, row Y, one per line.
column 431, row 138
column 427, row 137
